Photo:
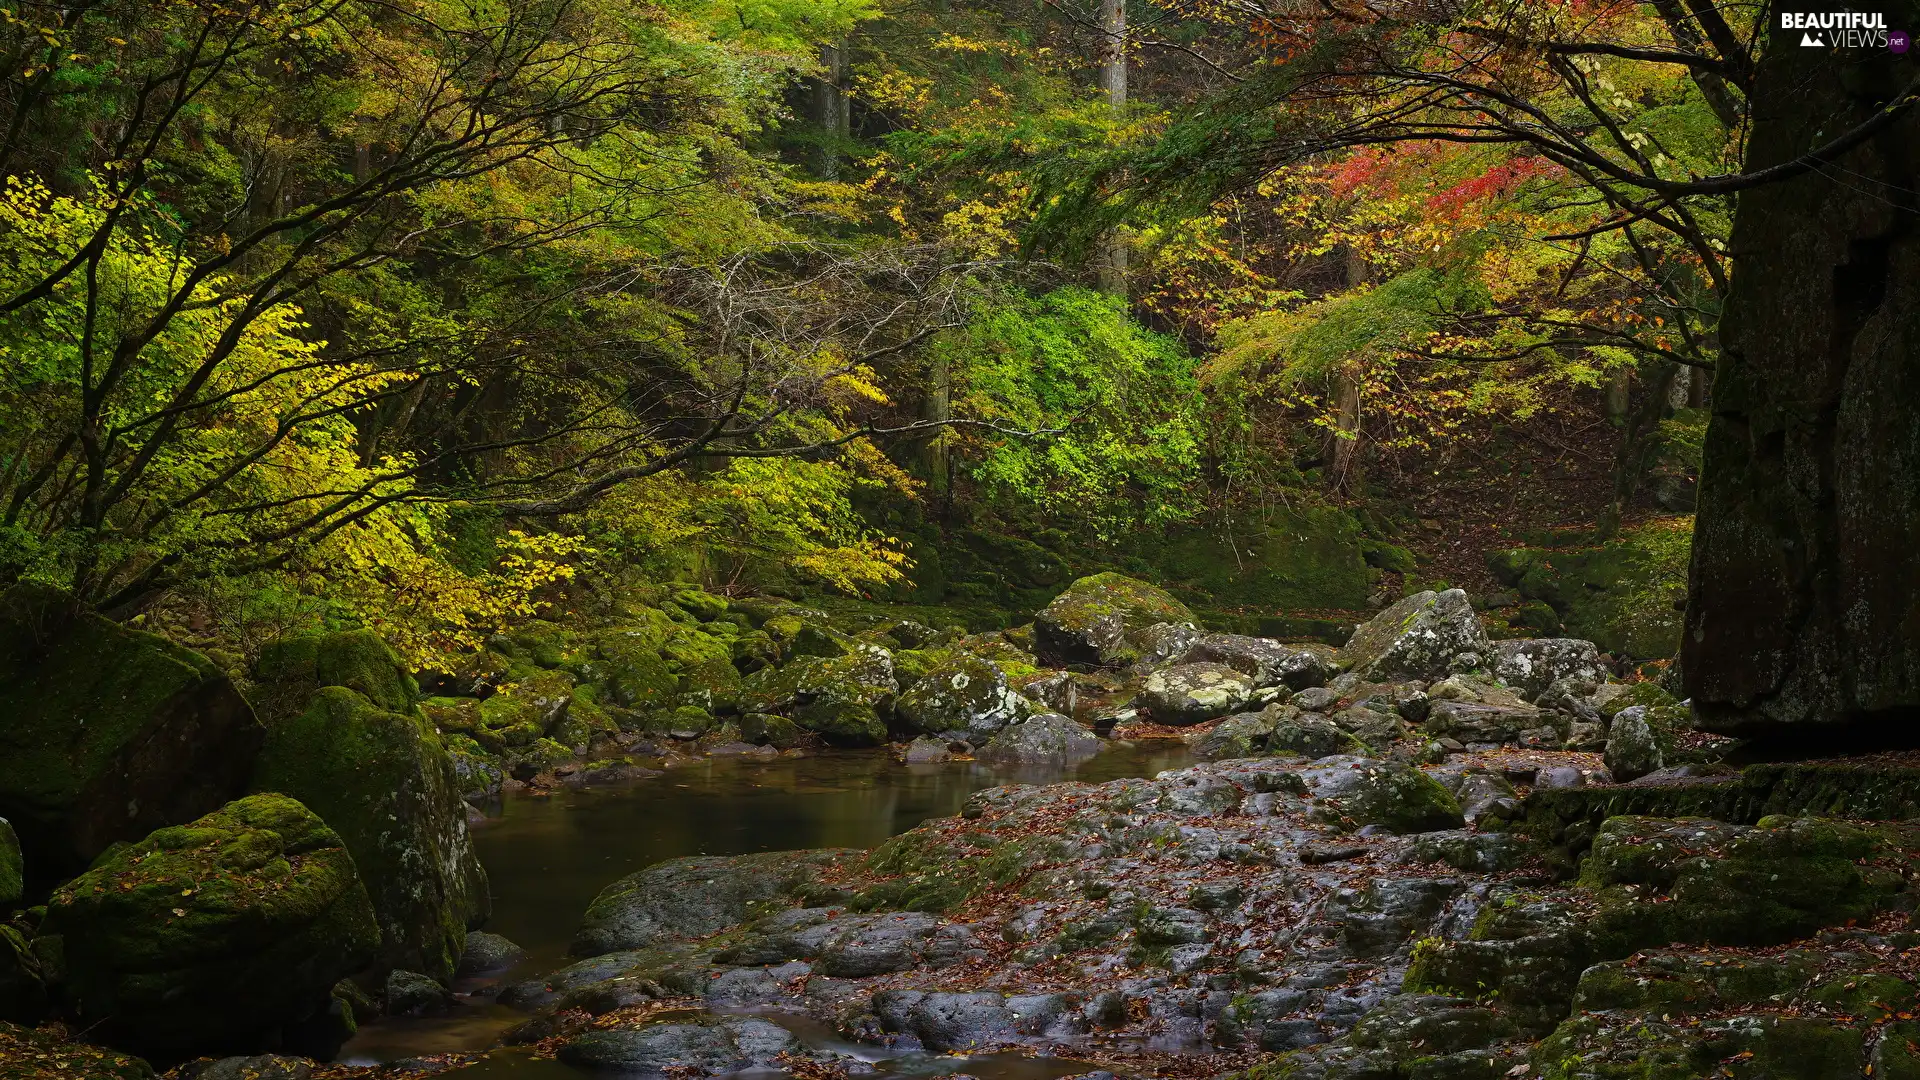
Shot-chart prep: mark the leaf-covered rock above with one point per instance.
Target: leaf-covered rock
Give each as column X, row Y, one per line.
column 213, row 935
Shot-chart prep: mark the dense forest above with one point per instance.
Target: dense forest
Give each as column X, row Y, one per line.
column 1476, row 439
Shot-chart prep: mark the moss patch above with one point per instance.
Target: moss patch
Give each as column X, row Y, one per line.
column 1622, row 596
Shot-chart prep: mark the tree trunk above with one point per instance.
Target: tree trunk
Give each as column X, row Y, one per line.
column 1804, row 603
column 831, row 112
column 1113, row 79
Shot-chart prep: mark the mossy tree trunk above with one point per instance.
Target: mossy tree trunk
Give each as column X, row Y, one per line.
column 1804, row 604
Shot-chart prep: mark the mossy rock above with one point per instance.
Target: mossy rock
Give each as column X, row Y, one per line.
column 384, row 781
column 1352, row 793
column 1623, row 596
column 634, row 673
column 767, row 729
column 692, row 646
column 961, row 697
column 537, row 757
column 525, row 710
column 1091, row 623
column 1649, row 1048
column 209, row 936
column 453, row 714
column 540, row 643
column 713, row 686
column 166, row 736
column 47, row 1053
column 13, row 867
column 701, row 604
column 585, row 722
column 845, row 699
column 289, row 670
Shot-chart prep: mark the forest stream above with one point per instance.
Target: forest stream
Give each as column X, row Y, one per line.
column 548, row 855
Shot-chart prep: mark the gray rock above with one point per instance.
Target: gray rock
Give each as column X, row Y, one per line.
column 1487, row 796
column 1424, row 636
column 716, row 1047
column 1370, row 726
column 868, row 945
column 927, row 751
column 1310, row 734
column 1532, row 665
column 1266, row 662
column 964, row 699
column 687, row 898
column 1316, row 699
column 1636, row 744
column 942, row 1021
column 1474, row 723
column 1194, row 693
column 1560, row 776
column 1094, row 621
column 487, row 953
column 1170, row 926
column 261, row 1067
column 1048, row 737
column 1354, row 792
column 1163, row 642
column 410, row 993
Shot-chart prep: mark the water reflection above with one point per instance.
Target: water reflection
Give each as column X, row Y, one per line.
column 548, row 857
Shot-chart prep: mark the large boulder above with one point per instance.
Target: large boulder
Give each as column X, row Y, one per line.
column 691, row 897
column 1194, row 693
column 1265, row 661
column 1640, row 741
column 715, row 1046
column 1355, row 792
column 846, row 699
column 108, row 733
column 1092, row 623
column 215, row 935
column 377, row 772
column 1048, row 738
column 961, row 698
column 1530, row 665
column 1425, row 636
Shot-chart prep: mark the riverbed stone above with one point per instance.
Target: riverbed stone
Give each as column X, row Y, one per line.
column 1639, row 742
column 486, row 953
column 844, row 699
column 385, row 782
column 1265, row 661
column 1427, row 635
column 691, row 897
column 167, row 737
column 1194, row 693
column 211, row 935
column 1531, row 665
column 715, row 1046
column 1355, row 792
column 962, row 699
column 1090, row 623
column 1047, row 737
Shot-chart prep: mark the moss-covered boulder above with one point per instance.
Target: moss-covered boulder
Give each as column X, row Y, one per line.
column 386, row 783
column 844, row 699
column 1624, row 596
column 1355, row 792
column 1640, row 740
column 524, row 710
column 13, row 867
column 215, row 935
column 1424, row 636
column 681, row 899
column 289, row 670
column 1091, row 623
column 49, row 1052
column 627, row 662
column 1194, row 693
column 108, row 733
column 961, row 697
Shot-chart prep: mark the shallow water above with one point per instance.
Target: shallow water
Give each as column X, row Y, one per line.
column 549, row 856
